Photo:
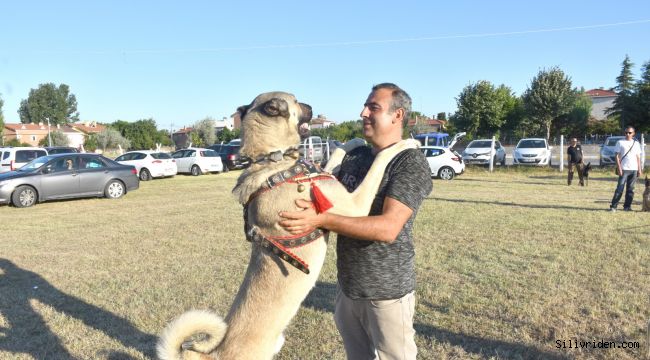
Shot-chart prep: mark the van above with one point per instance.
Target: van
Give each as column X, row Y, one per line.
column 438, row 139
column 12, row 158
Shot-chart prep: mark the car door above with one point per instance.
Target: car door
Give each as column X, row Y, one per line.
column 434, row 159
column 60, row 178
column 181, row 161
column 93, row 175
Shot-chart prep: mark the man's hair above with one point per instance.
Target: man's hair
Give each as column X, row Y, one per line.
column 629, row 127
column 400, row 98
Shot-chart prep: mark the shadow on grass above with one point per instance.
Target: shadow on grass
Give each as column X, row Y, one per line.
column 26, row 331
column 502, row 203
column 323, row 297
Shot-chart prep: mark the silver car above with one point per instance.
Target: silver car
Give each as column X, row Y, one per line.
column 65, row 176
column 478, row 152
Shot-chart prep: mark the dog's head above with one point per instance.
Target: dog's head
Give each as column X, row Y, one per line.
column 586, row 170
column 273, row 121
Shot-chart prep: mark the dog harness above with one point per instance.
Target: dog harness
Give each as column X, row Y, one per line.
column 299, row 173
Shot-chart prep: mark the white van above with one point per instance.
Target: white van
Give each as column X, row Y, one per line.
column 12, row 158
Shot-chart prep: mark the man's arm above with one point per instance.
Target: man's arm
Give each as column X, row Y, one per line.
column 384, row 227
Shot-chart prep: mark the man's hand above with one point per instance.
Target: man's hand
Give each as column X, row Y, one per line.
column 300, row 222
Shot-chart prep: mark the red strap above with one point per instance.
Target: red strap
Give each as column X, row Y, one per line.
column 321, row 203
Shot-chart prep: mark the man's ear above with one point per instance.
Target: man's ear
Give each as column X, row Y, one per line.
column 399, row 115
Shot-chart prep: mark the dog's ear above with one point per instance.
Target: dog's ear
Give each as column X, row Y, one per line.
column 276, row 107
column 306, row 116
column 242, row 110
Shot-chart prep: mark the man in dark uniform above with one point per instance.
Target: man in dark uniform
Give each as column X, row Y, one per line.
column 575, row 161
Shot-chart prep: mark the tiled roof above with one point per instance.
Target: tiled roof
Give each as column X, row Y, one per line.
column 600, row 92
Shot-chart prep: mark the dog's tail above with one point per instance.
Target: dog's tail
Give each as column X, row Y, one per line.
column 197, row 330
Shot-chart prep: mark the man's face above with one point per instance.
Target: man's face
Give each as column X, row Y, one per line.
column 378, row 121
column 629, row 133
column 574, row 141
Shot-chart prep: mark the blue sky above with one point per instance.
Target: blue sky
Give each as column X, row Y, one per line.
column 181, row 61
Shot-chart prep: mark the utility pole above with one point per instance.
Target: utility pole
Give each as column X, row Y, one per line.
column 49, row 137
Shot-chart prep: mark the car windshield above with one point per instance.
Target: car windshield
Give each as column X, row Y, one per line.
column 36, row 163
column 480, row 144
column 612, row 142
column 531, row 144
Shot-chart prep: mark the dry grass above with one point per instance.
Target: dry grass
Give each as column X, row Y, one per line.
column 508, row 263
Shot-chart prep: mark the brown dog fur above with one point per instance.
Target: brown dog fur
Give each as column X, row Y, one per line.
column 272, row 290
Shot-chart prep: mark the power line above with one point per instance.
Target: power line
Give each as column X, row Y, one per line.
column 367, row 42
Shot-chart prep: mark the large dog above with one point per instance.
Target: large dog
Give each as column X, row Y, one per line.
column 282, row 268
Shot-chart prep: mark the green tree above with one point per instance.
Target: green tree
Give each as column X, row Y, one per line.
column 482, row 109
column 205, row 132
column 49, row 101
column 110, row 138
column 624, row 104
column 576, row 121
column 142, row 134
column 441, row 116
column 643, row 99
column 58, row 139
column 549, row 97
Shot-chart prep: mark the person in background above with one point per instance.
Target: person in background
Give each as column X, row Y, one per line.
column 576, row 158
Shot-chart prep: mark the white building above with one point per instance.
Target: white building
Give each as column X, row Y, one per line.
column 601, row 100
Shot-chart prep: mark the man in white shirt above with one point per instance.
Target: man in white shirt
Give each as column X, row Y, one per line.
column 628, row 158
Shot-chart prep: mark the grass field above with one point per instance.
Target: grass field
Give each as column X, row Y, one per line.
column 510, row 264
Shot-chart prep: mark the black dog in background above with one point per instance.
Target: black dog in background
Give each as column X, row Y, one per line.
column 585, row 173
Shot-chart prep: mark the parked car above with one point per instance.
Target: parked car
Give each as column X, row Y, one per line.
column 444, row 162
column 230, row 157
column 65, row 176
column 13, row 158
column 312, row 149
column 439, row 139
column 52, row 150
column 607, row 154
column 197, row 161
column 478, row 152
column 532, row 151
column 149, row 164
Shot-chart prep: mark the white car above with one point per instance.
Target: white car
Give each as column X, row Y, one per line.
column 13, row 158
column 197, row 161
column 478, row 152
column 149, row 164
column 607, row 154
column 444, row 162
column 532, row 151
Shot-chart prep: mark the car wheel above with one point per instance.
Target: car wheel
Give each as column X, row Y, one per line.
column 446, row 173
column 24, row 196
column 114, row 189
column 196, row 170
column 145, row 175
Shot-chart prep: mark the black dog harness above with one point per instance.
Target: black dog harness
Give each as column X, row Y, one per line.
column 299, row 173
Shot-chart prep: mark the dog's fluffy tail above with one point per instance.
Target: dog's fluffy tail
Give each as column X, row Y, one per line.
column 196, row 330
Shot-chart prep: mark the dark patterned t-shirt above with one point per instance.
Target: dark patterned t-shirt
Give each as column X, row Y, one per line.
column 375, row 270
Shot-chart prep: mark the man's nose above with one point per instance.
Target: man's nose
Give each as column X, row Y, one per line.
column 365, row 112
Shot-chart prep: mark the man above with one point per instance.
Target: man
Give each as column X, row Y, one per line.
column 574, row 153
column 628, row 160
column 375, row 300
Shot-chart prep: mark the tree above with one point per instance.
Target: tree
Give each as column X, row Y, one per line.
column 344, row 131
column 624, row 104
column 441, row 116
column 225, row 135
column 142, row 134
column 482, row 109
column 205, row 132
column 576, row 121
column 49, row 101
column 549, row 97
column 110, row 138
column 58, row 139
column 642, row 97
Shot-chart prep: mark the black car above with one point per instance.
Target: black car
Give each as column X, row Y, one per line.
column 61, row 150
column 230, row 158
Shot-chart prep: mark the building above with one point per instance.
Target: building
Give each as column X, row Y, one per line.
column 33, row 133
column 320, row 122
column 224, row 123
column 181, row 137
column 424, row 124
column 601, row 100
